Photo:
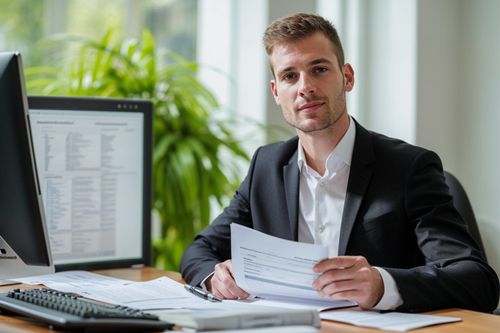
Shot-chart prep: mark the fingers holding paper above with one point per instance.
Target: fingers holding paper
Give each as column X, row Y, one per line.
column 222, row 283
column 349, row 277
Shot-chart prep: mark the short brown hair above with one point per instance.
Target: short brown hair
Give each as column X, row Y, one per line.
column 298, row 26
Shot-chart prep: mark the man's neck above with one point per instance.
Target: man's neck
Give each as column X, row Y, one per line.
column 318, row 145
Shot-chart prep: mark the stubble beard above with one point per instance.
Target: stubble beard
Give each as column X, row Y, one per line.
column 331, row 117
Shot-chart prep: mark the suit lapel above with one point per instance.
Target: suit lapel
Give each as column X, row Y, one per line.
column 359, row 178
column 291, row 181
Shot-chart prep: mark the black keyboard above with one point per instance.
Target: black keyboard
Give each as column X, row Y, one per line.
column 67, row 311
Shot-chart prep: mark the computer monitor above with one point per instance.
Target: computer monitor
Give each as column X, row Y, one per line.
column 24, row 249
column 94, row 158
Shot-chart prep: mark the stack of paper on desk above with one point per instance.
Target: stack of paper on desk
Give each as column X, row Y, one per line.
column 278, row 271
column 233, row 315
column 390, row 321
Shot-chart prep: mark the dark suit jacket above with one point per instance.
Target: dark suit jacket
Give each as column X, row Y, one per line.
column 398, row 214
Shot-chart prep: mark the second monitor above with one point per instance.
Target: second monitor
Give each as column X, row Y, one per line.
column 94, row 162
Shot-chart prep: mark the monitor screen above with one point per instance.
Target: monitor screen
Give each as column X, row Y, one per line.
column 94, row 158
column 23, row 243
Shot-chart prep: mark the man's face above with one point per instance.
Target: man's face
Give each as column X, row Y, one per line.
column 309, row 85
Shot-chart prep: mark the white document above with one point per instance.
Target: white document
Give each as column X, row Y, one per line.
column 277, row 270
column 391, row 321
column 161, row 293
column 75, row 280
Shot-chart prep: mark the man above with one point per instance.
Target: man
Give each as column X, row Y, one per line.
column 380, row 205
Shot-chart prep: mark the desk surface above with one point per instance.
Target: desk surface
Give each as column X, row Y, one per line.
column 476, row 322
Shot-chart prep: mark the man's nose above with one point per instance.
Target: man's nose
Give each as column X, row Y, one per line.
column 306, row 86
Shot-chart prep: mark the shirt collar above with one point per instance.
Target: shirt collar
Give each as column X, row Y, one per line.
column 342, row 152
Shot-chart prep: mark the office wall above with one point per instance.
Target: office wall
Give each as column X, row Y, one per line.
column 438, row 79
column 387, row 68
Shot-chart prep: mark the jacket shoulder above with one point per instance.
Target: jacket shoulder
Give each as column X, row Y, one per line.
column 278, row 153
column 386, row 146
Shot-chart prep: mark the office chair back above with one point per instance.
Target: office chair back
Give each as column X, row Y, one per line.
column 462, row 204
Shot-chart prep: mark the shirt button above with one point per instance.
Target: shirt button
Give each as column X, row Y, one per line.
column 321, row 228
column 322, row 184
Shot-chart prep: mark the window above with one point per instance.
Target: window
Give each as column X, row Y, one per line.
column 26, row 24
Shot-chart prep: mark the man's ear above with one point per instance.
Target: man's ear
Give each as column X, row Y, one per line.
column 348, row 77
column 274, row 90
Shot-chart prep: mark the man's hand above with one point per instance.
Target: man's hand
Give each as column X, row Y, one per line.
column 222, row 283
column 349, row 277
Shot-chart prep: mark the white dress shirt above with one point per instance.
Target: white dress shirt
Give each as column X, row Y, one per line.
column 321, row 205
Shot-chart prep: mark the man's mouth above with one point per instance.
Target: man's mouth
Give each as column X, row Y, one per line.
column 310, row 107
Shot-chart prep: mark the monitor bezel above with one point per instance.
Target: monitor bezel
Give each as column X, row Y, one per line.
column 15, row 264
column 145, row 107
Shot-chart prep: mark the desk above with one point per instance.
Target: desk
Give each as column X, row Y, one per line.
column 476, row 322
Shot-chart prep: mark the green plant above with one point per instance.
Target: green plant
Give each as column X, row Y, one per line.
column 194, row 155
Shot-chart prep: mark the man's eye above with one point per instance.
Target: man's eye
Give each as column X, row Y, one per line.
column 320, row 69
column 288, row 77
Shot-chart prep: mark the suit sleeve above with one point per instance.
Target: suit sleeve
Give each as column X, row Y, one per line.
column 455, row 273
column 213, row 245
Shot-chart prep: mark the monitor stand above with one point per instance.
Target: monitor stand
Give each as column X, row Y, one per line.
column 12, row 266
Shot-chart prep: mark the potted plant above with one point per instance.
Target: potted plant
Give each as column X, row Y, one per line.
column 194, row 156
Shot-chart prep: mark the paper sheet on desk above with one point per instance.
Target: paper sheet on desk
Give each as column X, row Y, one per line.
column 278, row 270
column 161, row 293
column 391, row 321
column 73, row 279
